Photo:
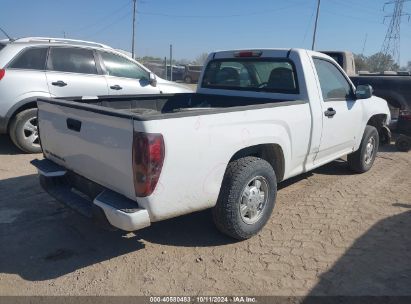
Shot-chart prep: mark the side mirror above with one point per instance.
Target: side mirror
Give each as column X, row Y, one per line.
column 363, row 91
column 153, row 79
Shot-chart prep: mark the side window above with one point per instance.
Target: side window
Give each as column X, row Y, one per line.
column 334, row 85
column 119, row 66
column 30, row 59
column 73, row 60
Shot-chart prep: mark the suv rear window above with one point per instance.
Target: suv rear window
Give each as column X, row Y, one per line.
column 73, row 60
column 30, row 59
column 259, row 75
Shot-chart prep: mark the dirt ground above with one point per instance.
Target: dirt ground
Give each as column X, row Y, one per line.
column 332, row 232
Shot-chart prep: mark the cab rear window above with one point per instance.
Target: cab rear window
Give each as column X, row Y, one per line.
column 259, row 75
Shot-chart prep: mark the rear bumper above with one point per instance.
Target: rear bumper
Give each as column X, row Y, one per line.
column 90, row 199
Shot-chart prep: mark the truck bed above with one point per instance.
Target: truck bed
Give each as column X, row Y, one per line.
column 162, row 106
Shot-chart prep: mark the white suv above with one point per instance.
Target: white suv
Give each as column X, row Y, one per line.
column 49, row 67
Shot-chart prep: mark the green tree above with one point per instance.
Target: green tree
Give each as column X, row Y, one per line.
column 361, row 63
column 380, row 62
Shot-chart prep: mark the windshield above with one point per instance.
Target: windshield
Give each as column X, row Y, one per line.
column 255, row 74
column 2, row 46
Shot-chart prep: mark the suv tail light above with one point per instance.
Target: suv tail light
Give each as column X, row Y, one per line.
column 2, row 73
column 148, row 158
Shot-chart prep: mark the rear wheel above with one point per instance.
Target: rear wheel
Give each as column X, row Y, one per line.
column 362, row 160
column 24, row 132
column 246, row 199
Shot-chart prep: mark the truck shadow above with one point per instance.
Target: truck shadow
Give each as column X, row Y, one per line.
column 42, row 239
column 337, row 167
column 7, row 146
column 377, row 264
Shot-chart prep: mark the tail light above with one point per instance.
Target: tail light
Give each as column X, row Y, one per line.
column 148, row 158
column 2, row 73
column 405, row 115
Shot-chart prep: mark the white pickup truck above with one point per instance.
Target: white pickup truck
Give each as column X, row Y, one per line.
column 258, row 118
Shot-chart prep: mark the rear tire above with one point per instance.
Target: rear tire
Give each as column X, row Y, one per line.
column 362, row 160
column 246, row 199
column 24, row 133
column 403, row 143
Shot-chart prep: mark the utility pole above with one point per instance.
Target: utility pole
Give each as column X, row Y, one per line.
column 365, row 42
column 316, row 22
column 171, row 62
column 165, row 68
column 134, row 27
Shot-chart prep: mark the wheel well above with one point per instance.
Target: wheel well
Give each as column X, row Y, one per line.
column 378, row 121
column 272, row 153
column 26, row 106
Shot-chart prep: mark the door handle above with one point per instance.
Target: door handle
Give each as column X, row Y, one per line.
column 330, row 113
column 73, row 124
column 59, row 83
column 116, row 87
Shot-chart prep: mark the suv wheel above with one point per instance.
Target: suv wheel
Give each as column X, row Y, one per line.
column 187, row 79
column 24, row 132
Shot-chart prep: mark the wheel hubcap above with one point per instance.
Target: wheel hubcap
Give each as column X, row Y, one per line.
column 369, row 150
column 253, row 200
column 30, row 132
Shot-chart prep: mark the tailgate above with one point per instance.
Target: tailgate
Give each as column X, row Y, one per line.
column 89, row 140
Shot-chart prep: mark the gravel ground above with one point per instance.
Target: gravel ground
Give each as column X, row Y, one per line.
column 332, row 232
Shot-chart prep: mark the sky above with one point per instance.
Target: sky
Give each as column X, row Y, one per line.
column 197, row 26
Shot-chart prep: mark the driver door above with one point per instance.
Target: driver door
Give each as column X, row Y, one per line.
column 342, row 114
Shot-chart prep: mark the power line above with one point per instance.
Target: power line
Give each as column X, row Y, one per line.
column 102, row 19
column 357, row 6
column 115, row 21
column 217, row 16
